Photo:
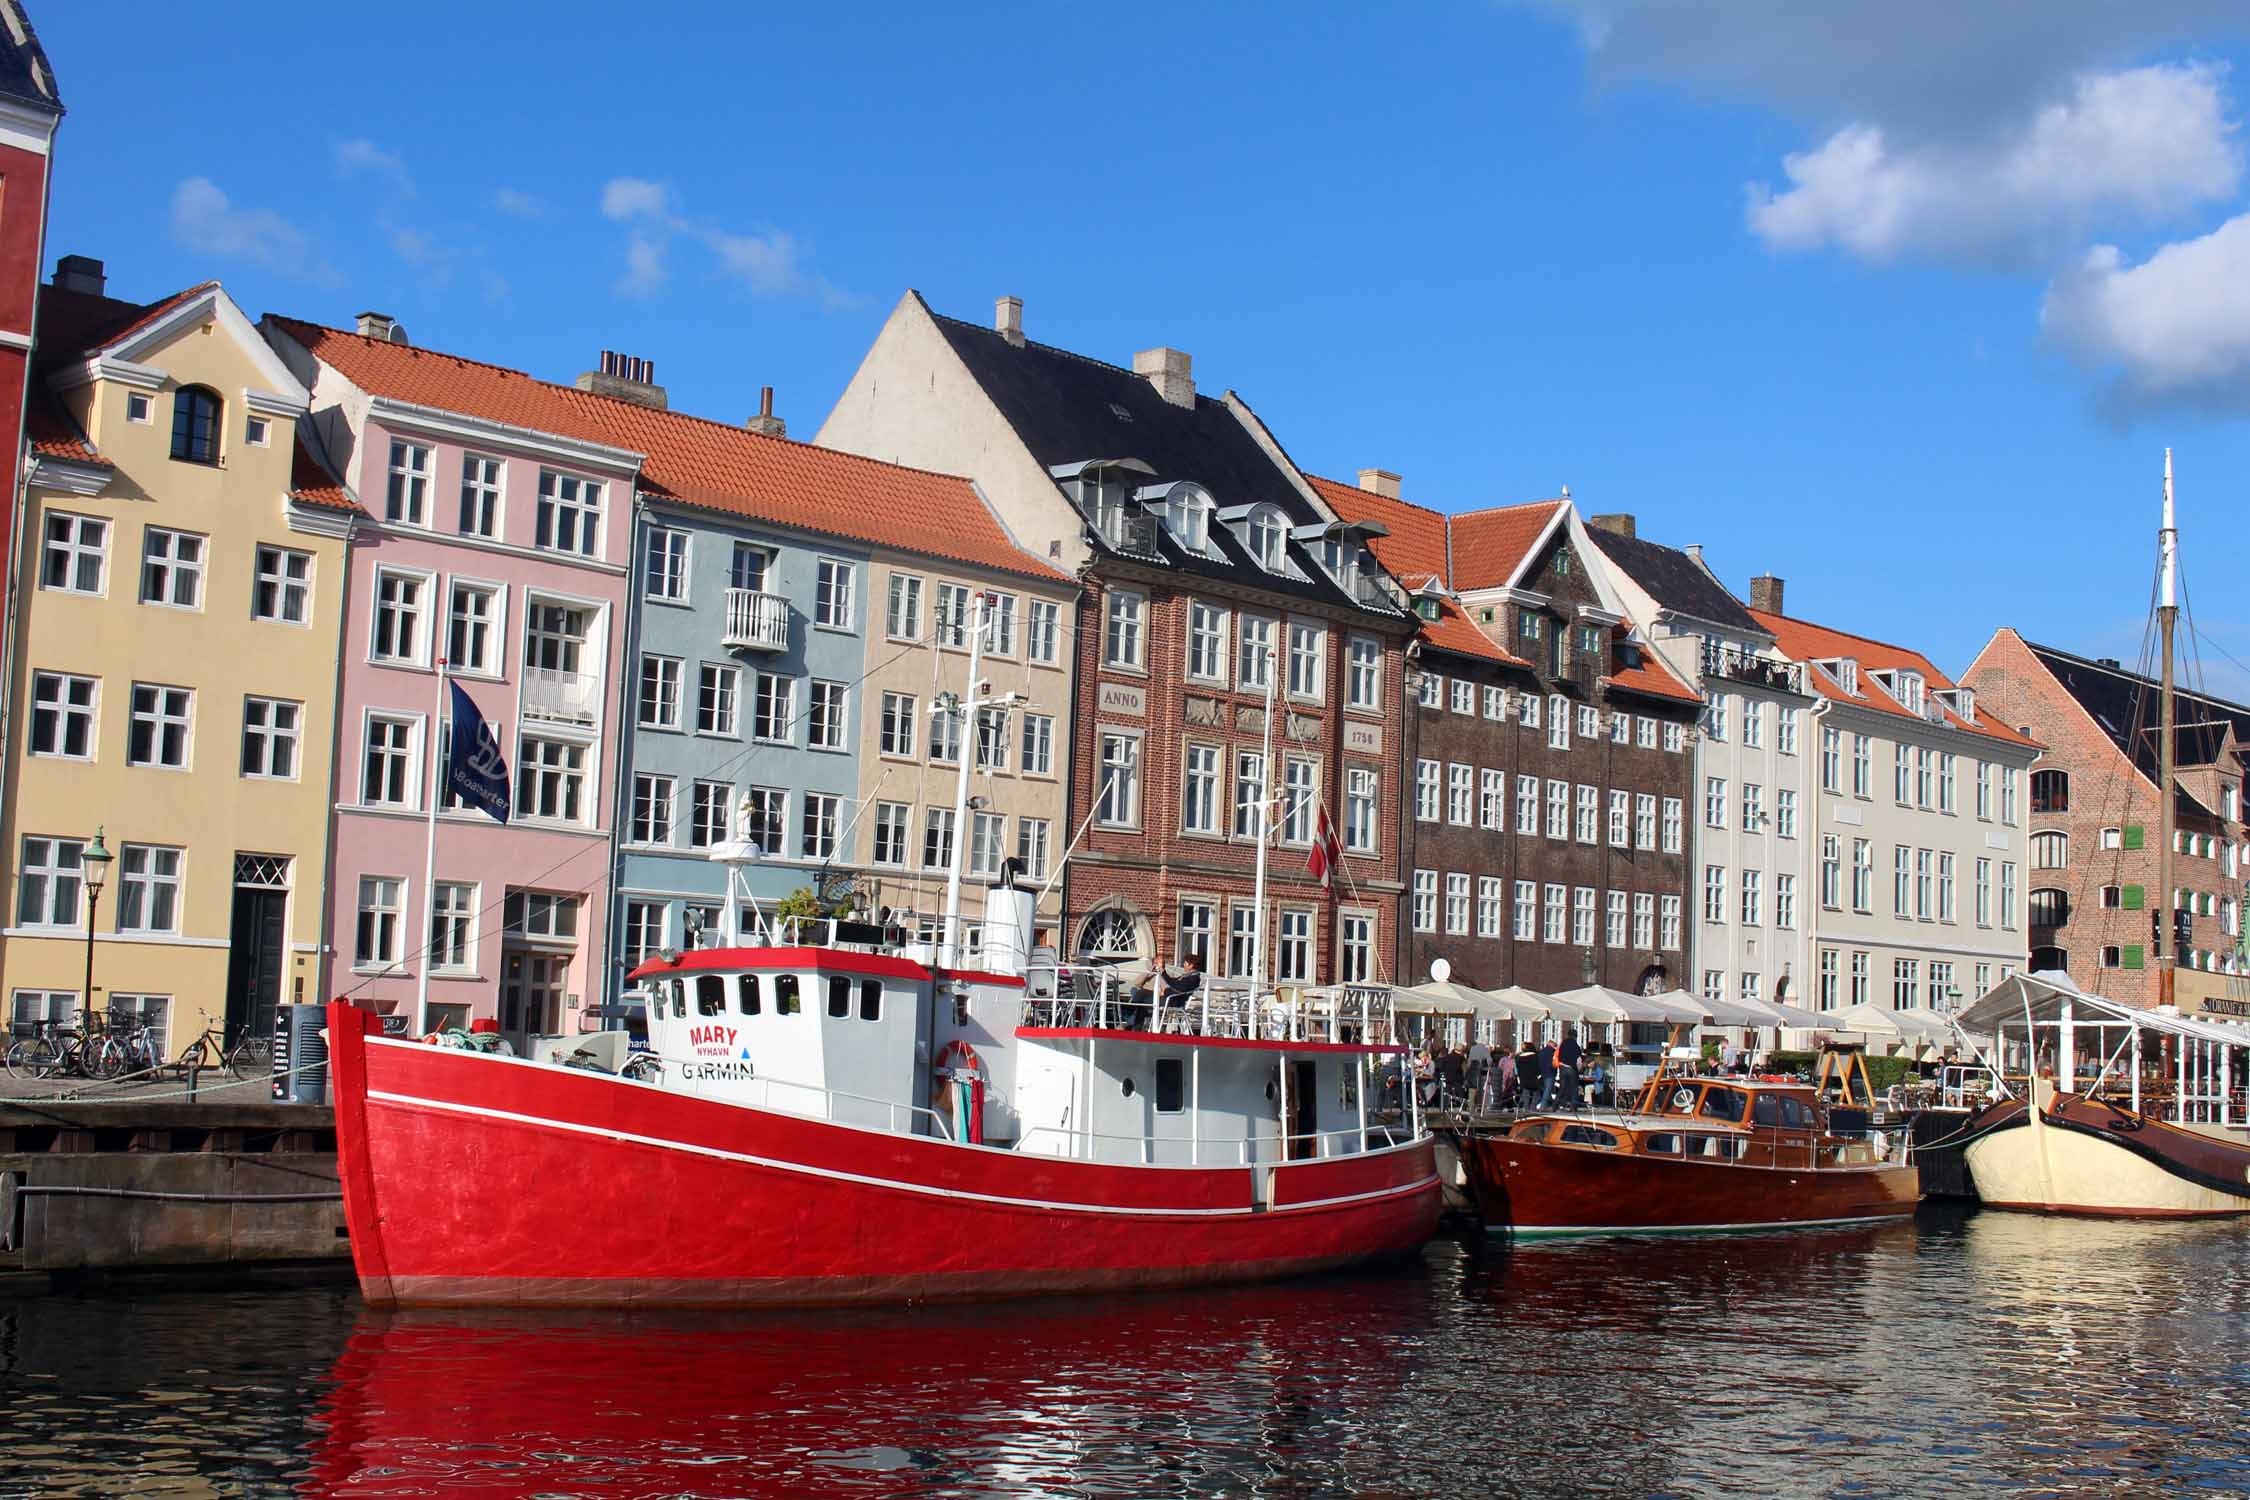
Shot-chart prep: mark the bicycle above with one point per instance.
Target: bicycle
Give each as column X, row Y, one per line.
column 251, row 1056
column 125, row 1048
column 53, row 1047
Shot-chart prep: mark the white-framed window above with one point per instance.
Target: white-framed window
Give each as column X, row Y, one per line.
column 945, row 734
column 1945, row 781
column 1715, row 716
column 1863, row 766
column 832, row 593
column 399, row 635
column 773, row 710
column 1644, row 920
column 1242, row 937
column 1425, row 900
column 1785, row 732
column 453, row 927
column 283, row 590
column 389, row 776
column 1985, row 769
column 1753, row 898
column 644, row 931
column 1117, row 802
column 551, row 779
column 1613, row 926
column 64, row 711
column 1714, row 802
column 74, row 557
column 1430, row 692
column 1620, row 728
column 1206, row 642
column 1488, row 906
column 1558, row 913
column 1785, row 812
column 991, row 740
column 1299, row 779
column 764, row 817
column 2008, row 782
column 1124, row 635
column 1863, row 875
column 1527, row 710
column 472, row 640
column 161, row 727
column 1308, row 646
column 824, row 818
column 1293, row 945
column 1644, row 732
column 1042, row 632
column 1945, row 902
column 718, row 699
column 1831, row 871
column 1496, row 703
column 664, row 565
column 1038, row 750
column 1363, row 681
column 890, row 833
column 1558, row 809
column 1249, row 793
column 660, row 692
column 1589, row 814
column 750, row 566
column 153, row 1012
column 1902, row 880
column 708, row 818
column 140, row 409
column 2008, row 895
column 1268, row 539
column 1714, row 894
column 271, row 730
column 828, row 715
column 1675, row 817
column 381, row 940
column 654, row 798
column 480, row 495
column 1753, row 724
column 1675, row 738
column 1457, row 905
column 1460, row 795
column 1753, row 806
column 1355, row 943
column 569, row 517
column 1644, row 820
column 902, row 613
column 1558, row 722
column 407, row 499
column 1464, row 698
column 48, row 881
column 1620, row 819
column 1589, row 722
column 172, row 567
column 1826, row 991
column 1196, row 926
column 1035, row 846
column 1859, row 991
column 1254, row 652
column 1526, row 912
column 1359, row 810
column 956, row 612
column 895, row 731
column 2050, row 850
column 1199, row 790
column 1527, row 804
column 1670, row 940
column 1492, row 801
column 1428, row 779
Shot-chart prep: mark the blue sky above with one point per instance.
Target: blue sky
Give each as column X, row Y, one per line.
column 1901, row 302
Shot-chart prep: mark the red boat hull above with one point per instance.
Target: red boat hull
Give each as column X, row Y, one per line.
column 476, row 1179
column 1534, row 1188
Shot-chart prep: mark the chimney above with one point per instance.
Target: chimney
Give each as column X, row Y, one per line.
column 382, row 326
column 1617, row 523
column 1765, row 594
column 1171, row 371
column 765, row 421
column 80, row 273
column 1007, row 319
column 625, row 377
column 1694, row 550
column 1379, row 482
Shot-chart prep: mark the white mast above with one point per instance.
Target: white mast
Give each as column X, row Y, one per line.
column 949, row 938
column 2167, row 618
column 429, row 867
column 1265, row 830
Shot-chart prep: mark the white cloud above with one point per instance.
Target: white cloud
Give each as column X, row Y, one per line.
column 206, row 222
column 517, row 204
column 363, row 156
column 770, row 262
column 2174, row 329
column 2138, row 146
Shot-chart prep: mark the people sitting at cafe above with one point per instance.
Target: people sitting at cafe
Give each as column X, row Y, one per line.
column 1181, row 986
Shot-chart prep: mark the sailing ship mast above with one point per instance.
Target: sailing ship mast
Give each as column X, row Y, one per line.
column 2167, row 617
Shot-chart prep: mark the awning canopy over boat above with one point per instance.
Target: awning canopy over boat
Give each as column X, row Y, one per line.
column 2044, row 994
column 1601, row 1003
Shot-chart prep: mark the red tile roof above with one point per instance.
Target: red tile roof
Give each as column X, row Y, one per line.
column 713, row 465
column 310, row 482
column 1650, row 676
column 53, row 433
column 1489, row 545
column 1415, row 549
column 1802, row 641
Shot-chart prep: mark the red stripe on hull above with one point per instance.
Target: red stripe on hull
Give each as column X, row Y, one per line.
column 494, row 1181
column 1533, row 1187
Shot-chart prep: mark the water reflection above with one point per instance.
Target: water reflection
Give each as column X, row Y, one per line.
column 1957, row 1353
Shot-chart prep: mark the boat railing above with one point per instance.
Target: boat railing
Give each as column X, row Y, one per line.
column 898, row 1117
column 1196, row 1149
column 1094, row 997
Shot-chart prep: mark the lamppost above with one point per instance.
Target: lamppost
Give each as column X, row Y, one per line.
column 95, row 865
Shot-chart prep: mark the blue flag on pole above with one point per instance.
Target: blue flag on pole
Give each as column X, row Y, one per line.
column 474, row 767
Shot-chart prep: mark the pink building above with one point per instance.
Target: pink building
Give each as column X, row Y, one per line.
column 501, row 548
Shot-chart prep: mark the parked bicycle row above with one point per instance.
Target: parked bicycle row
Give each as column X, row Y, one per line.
column 121, row 1046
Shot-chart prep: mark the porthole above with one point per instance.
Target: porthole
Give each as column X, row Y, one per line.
column 1128, row 1088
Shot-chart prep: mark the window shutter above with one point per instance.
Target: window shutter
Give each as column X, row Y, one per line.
column 2134, row 836
column 2131, row 956
column 2133, row 898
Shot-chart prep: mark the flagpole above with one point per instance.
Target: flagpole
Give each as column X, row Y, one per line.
column 1265, row 833
column 429, row 868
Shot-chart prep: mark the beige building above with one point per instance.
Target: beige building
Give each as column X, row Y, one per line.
column 173, row 672
column 920, row 612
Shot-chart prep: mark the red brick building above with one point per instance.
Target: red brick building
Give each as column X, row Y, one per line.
column 1548, row 755
column 2094, row 889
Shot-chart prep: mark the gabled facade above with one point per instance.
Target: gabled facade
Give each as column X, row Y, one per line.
column 1921, row 846
column 1748, row 793
column 1547, row 754
column 1209, row 566
column 2094, row 886
column 183, row 561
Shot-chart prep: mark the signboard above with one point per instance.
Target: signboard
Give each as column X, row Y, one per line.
column 2219, row 1005
column 1122, row 698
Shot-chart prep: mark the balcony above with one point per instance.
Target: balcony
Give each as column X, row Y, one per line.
column 1737, row 665
column 556, row 697
column 756, row 621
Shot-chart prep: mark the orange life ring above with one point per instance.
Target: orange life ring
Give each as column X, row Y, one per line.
column 955, row 1047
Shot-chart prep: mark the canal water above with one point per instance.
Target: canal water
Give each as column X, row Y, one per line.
column 1960, row 1354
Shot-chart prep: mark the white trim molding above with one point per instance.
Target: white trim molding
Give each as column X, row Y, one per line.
column 434, row 422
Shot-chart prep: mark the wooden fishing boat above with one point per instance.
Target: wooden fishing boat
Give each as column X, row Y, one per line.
column 1690, row 1155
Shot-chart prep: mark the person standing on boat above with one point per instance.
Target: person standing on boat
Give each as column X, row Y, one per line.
column 1567, row 1057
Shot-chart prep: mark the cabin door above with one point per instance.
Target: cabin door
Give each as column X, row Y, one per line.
column 1304, row 1110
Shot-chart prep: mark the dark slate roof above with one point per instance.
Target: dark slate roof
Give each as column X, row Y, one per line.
column 24, row 71
column 1675, row 580
column 2124, row 705
column 1069, row 409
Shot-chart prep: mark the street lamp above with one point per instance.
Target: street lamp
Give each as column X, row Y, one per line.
column 95, row 864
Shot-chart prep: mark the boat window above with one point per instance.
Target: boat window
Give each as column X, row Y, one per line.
column 1663, row 1144
column 1681, row 1101
column 1726, row 1147
column 747, row 988
column 785, row 995
column 1797, row 1114
column 1767, row 1110
column 1586, row 1135
column 679, row 997
column 839, row 996
column 871, row 999
column 1723, row 1104
column 1531, row 1132
column 1171, row 1086
column 710, row 994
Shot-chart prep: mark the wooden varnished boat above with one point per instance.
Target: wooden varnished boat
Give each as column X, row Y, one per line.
column 1690, row 1155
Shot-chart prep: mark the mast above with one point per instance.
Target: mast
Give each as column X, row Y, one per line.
column 1265, row 832
column 2167, row 619
column 949, row 938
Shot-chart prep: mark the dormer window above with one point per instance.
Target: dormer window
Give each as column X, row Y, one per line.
column 1267, row 537
column 1426, row 606
column 1186, row 511
column 1907, row 688
column 195, row 425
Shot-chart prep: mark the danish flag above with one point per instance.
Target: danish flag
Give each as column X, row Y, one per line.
column 1321, row 863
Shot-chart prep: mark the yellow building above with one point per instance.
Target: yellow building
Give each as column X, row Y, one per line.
column 172, row 672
